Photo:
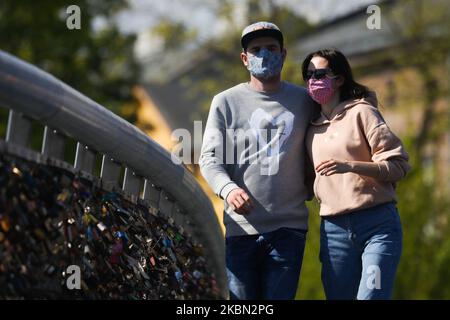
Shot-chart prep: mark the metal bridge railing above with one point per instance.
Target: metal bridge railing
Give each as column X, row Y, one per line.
column 32, row 94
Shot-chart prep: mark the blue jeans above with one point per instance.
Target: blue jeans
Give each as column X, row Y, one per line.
column 360, row 252
column 265, row 266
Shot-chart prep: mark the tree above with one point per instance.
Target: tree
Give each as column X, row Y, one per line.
column 423, row 29
column 96, row 61
column 174, row 33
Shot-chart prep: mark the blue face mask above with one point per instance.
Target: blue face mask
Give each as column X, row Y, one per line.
column 265, row 64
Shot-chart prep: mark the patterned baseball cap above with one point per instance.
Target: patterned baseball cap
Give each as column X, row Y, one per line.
column 260, row 29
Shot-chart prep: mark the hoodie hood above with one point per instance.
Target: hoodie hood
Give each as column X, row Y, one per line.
column 341, row 108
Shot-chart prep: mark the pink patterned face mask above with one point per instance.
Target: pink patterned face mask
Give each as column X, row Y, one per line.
column 321, row 90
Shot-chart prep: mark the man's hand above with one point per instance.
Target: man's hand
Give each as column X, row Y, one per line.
column 332, row 166
column 239, row 200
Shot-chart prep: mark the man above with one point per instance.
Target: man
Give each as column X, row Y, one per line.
column 253, row 157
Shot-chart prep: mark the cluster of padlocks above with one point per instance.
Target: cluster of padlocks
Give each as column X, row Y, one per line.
column 52, row 219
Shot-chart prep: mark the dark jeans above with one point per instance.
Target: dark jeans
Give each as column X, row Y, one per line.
column 265, row 266
column 360, row 252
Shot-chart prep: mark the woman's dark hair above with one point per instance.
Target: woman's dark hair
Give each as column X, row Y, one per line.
column 339, row 65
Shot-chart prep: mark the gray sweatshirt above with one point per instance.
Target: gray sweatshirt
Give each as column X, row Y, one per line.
column 255, row 141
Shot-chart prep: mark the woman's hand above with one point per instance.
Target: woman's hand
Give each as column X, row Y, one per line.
column 333, row 166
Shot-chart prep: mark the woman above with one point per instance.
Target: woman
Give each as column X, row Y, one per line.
column 357, row 161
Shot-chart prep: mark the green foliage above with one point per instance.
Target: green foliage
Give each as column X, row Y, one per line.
column 424, row 271
column 310, row 284
column 99, row 63
column 175, row 34
column 426, row 33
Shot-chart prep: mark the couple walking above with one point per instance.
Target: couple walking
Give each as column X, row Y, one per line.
column 269, row 145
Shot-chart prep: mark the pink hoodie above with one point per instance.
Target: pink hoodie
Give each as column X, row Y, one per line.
column 356, row 131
